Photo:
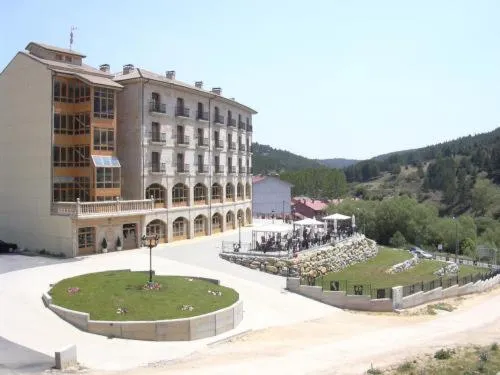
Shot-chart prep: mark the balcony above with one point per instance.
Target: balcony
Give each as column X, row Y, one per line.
column 243, row 170
column 231, row 122
column 219, row 119
column 182, row 140
column 249, row 127
column 219, row 144
column 232, row 169
column 182, row 111
column 157, row 137
column 104, row 209
column 231, row 146
column 242, row 147
column 202, row 116
column 182, row 168
column 241, row 125
column 219, row 169
column 202, row 142
column 157, row 168
column 157, row 107
column 202, row 169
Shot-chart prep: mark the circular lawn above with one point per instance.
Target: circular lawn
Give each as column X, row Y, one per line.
column 125, row 295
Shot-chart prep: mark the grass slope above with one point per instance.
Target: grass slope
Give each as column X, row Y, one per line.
column 101, row 294
column 374, row 270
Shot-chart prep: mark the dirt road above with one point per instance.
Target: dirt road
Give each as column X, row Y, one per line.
column 344, row 344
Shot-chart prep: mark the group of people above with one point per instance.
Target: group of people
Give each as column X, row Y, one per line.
column 302, row 238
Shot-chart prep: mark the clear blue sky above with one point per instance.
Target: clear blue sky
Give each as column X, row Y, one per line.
column 339, row 78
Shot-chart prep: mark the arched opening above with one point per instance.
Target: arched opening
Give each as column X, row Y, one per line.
column 249, row 216
column 248, row 191
column 230, row 192
column 217, row 196
column 230, row 222
column 180, row 195
column 159, row 228
column 180, row 229
column 200, row 194
column 216, row 223
column 240, row 215
column 239, row 191
column 200, row 226
column 159, row 194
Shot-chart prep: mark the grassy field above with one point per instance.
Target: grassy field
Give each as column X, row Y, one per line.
column 373, row 271
column 462, row 361
column 103, row 294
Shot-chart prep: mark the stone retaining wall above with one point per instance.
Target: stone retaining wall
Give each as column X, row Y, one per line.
column 312, row 262
column 186, row 329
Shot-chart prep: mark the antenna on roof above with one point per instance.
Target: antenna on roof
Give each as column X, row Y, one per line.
column 73, row 28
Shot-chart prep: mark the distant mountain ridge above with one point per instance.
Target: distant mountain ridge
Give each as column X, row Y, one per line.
column 339, row 163
column 267, row 159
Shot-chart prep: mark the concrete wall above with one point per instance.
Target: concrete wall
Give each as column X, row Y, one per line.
column 271, row 194
column 339, row 299
column 186, row 329
column 25, row 168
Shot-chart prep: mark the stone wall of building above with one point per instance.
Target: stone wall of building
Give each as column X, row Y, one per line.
column 311, row 262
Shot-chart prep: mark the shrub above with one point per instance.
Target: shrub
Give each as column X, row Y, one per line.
column 444, row 353
column 374, row 371
column 494, row 347
column 483, row 357
column 398, row 240
column 406, row 366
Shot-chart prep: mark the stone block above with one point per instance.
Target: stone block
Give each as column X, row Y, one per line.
column 105, row 328
column 224, row 320
column 397, row 297
column 337, row 299
column 238, row 313
column 138, row 330
column 202, row 327
column 293, row 284
column 452, row 291
column 66, row 357
column 173, row 330
column 314, row 292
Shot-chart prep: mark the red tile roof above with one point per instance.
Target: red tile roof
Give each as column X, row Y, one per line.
column 315, row 204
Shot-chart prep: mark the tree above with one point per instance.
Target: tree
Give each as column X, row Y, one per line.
column 484, row 194
column 398, row 240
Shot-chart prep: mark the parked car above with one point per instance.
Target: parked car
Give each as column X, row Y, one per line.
column 420, row 253
column 6, row 247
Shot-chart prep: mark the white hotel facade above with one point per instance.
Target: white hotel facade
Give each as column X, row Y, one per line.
column 87, row 155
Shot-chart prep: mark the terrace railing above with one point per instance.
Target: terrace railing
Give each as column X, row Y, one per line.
column 116, row 207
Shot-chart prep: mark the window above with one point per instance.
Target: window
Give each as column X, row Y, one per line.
column 71, row 156
column 82, row 92
column 216, row 192
column 86, row 237
column 157, row 192
column 104, row 139
column 248, row 191
column 230, row 218
column 72, row 124
column 229, row 191
column 200, row 193
column 107, row 178
column 104, row 103
column 59, row 57
column 216, row 222
column 199, row 225
column 180, row 195
column 69, row 191
column 67, row 58
column 179, row 227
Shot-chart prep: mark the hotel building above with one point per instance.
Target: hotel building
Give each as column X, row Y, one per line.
column 88, row 155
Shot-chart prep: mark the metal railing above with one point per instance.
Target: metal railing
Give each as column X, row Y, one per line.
column 182, row 111
column 202, row 168
column 219, row 169
column 219, row 144
column 157, row 107
column 231, row 122
column 202, row 142
column 182, row 140
column 232, row 169
column 182, row 168
column 243, row 170
column 158, row 137
column 242, row 147
column 249, row 127
column 231, row 145
column 201, row 115
column 106, row 208
column 219, row 119
column 157, row 167
column 241, row 125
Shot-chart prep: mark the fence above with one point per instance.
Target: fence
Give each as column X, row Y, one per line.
column 425, row 286
column 349, row 287
column 229, row 247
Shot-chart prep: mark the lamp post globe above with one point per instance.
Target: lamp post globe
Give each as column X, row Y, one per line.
column 150, row 241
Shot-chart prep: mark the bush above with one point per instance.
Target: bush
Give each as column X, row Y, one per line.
column 444, row 353
column 398, row 240
column 483, row 357
column 406, row 366
column 494, row 347
column 374, row 371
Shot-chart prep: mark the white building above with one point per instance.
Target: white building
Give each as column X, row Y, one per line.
column 87, row 156
column 271, row 196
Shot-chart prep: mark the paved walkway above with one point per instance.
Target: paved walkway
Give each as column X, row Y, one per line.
column 25, row 321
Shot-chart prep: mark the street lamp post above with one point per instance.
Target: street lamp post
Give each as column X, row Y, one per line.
column 239, row 231
column 272, row 216
column 150, row 241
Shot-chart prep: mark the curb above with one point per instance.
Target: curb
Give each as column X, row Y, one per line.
column 229, row 338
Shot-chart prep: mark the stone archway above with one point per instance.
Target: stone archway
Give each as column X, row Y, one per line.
column 180, row 229
column 159, row 228
column 200, row 226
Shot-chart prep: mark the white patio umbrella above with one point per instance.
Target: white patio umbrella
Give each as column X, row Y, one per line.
column 309, row 222
column 334, row 218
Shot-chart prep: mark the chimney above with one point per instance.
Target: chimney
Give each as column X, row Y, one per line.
column 170, row 74
column 128, row 68
column 104, row 68
column 217, row 90
column 198, row 84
